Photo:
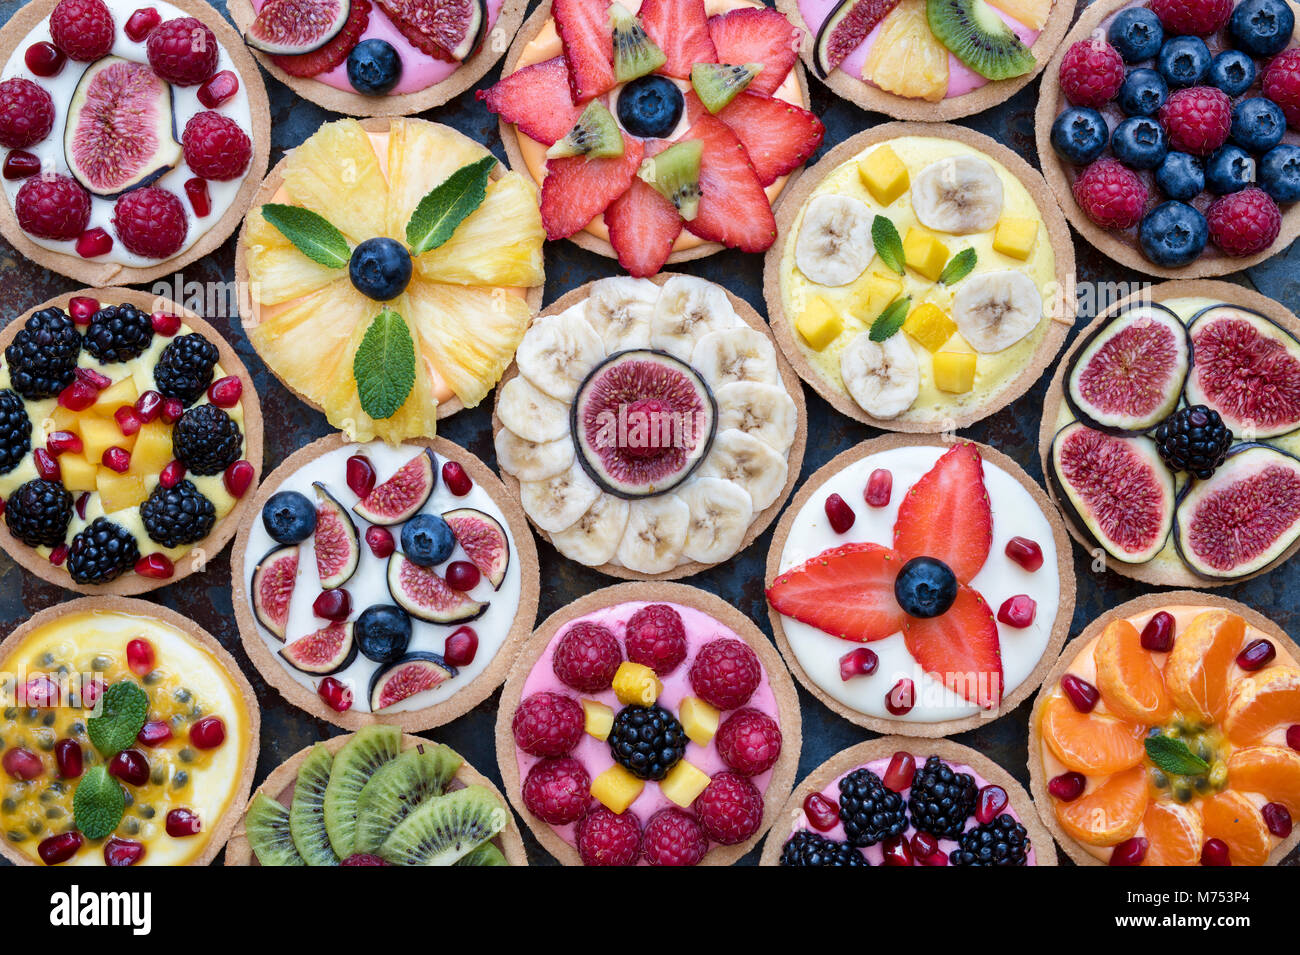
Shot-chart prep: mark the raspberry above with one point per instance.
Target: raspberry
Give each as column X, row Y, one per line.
column 749, row 742
column 557, row 791
column 656, row 638
column 605, row 838
column 1244, row 223
column 673, row 838
column 1197, row 17
column 1092, row 71
column 725, row 673
column 183, row 51
column 1111, row 194
column 82, row 29
column 215, row 147
column 548, row 724
column 52, row 207
column 150, row 222
column 1197, row 119
column 26, row 113
column 730, row 809
column 587, row 657
column 1281, row 84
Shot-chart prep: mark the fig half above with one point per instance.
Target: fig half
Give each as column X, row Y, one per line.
column 337, row 548
column 483, row 540
column 412, row 674
column 293, row 27
column 326, row 651
column 1247, row 368
column 844, row 31
column 426, row 596
column 402, row 495
column 274, row 578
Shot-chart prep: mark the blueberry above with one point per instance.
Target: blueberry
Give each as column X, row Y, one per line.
column 1261, row 27
column 1232, row 71
column 374, row 67
column 1139, row 142
column 1181, row 176
column 289, row 517
column 427, row 540
column 1144, row 91
column 1079, row 135
column 382, row 632
column 1183, row 61
column 925, row 587
column 1136, row 34
column 1173, row 234
column 1257, row 124
column 1229, row 169
column 380, row 268
column 1279, row 173
column 650, row 106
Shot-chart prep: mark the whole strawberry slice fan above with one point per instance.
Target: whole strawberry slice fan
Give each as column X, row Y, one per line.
column 848, row 591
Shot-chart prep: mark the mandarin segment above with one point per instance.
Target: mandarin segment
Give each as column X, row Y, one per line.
column 1261, row 702
column 1128, row 677
column 1271, row 771
column 1110, row 813
column 1090, row 743
column 1232, row 817
column 1174, row 834
column 1196, row 670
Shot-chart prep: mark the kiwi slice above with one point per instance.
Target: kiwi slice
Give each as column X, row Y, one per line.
column 267, row 826
column 595, row 136
column 977, row 36
column 635, row 54
column 443, row 829
column 717, row 84
column 675, row 175
column 398, row 787
column 486, row 854
column 369, row 748
column 307, row 814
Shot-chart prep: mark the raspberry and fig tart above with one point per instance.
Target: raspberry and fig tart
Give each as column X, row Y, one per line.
column 130, row 737
column 649, row 426
column 648, row 724
column 133, row 136
column 920, row 586
column 130, row 441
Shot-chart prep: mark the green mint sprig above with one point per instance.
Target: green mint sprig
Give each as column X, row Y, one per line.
column 889, row 246
column 124, row 711
column 98, row 804
column 311, row 234
column 447, row 205
column 958, row 267
column 384, row 365
column 1173, row 756
column 890, row 320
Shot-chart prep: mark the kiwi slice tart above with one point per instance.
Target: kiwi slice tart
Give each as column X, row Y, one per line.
column 717, row 84
column 976, row 35
column 486, row 854
column 398, row 787
column 371, row 747
column 675, row 175
column 635, row 54
column 440, row 831
column 267, row 826
column 595, row 136
column 307, row 814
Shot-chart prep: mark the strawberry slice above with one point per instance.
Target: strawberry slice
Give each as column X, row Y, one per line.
column 960, row 648
column 577, row 189
column 643, row 225
column 332, row 53
column 751, row 35
column 778, row 136
column 734, row 209
column 847, row 591
column 536, row 100
column 946, row 514
column 681, row 29
column 588, row 41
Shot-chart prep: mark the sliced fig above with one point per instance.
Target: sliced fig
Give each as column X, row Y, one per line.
column 642, row 421
column 328, row 650
column 337, row 546
column 274, row 578
column 1115, row 489
column 121, row 131
column 483, row 540
column 292, row 27
column 1244, row 517
column 402, row 495
column 1128, row 375
column 845, row 29
column 1247, row 368
column 412, row 674
column 424, row 595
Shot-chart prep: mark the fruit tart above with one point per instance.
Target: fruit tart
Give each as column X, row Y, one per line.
column 130, row 737
column 1169, row 131
column 658, row 131
column 947, row 567
column 902, row 801
column 372, row 798
column 923, row 278
column 649, row 426
column 130, row 440
column 648, row 724
column 1169, row 734
column 424, row 581
column 133, row 137
column 1169, row 435
column 371, row 252
column 378, row 57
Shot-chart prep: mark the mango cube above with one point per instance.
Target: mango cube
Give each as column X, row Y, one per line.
column 929, row 326
column 78, row 473
column 699, row 720
column 954, row 372
column 923, row 252
column 61, row 419
column 115, row 396
column 884, row 175
column 616, row 789
column 117, row 491
column 600, row 719
column 153, row 448
column 683, row 783
column 100, row 434
column 1015, row 237
column 819, row 324
column 874, row 293
column 636, row 683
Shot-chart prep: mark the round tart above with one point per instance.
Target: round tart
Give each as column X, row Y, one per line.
column 648, row 723
column 133, row 164
column 402, row 70
column 356, row 187
column 919, row 586
column 752, row 139
column 1169, row 435
column 447, row 812
column 132, row 439
column 130, row 737
column 904, row 310
column 899, row 800
column 649, row 427
column 1167, row 735
column 424, row 581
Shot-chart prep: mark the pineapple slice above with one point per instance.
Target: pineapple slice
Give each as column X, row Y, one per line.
column 277, row 271
column 906, row 58
column 1032, row 13
column 499, row 244
column 336, row 174
column 308, row 342
column 420, row 156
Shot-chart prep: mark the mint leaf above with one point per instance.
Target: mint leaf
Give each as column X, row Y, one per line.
column 1173, row 756
column 890, row 320
column 888, row 245
column 958, row 267
column 98, row 804
column 310, row 234
column 384, row 366
column 447, row 205
column 125, row 709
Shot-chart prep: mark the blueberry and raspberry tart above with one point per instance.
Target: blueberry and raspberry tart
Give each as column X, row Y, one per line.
column 130, row 436
column 648, row 724
column 920, row 586
column 133, row 136
column 129, row 738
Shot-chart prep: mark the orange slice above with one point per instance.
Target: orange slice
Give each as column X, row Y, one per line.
column 1090, row 743
column 1271, row 771
column 1232, row 817
column 1174, row 834
column 1110, row 813
column 1128, row 678
column 1196, row 670
column 1262, row 701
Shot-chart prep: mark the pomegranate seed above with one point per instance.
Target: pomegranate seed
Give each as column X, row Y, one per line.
column 182, row 823
column 462, row 575
column 22, row 764
column 360, row 475
column 880, row 486
column 333, row 604
column 116, row 459
column 60, row 441
column 218, row 89
column 172, row 411
column 59, row 555
column 140, row 657
column 59, row 848
column 156, row 566
column 93, row 378
column 1278, row 819
column 141, row 23
column 91, row 692
column 859, row 662
column 130, row 766
column 154, row 733
column 461, row 647
column 149, row 406
column 1293, row 736
column 1257, row 654
column 20, row 164
column 208, row 733
column 839, row 514
column 897, row 850
column 172, row 475
column 165, row 323
column 1215, row 852
column 924, row 845
column 93, row 243
column 1082, row 694
column 936, row 858
column 44, row 59
column 41, row 691
column 1018, row 611
column 238, row 477
column 990, row 802
column 225, row 392
column 1067, row 787
column 336, row 696
column 380, row 541
column 902, row 767
column 901, row 697
column 197, row 191
column 78, row 396
column 823, row 813
column 83, row 309
column 83, row 501
column 1025, row 552
column 1129, row 852
column 457, row 481
column 47, row 465
column 1158, row 634
column 128, row 422
column 119, row 853
column 67, row 756
column 2, row 508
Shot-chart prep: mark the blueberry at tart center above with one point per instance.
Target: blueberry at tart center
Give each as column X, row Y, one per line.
column 380, row 268
column 650, row 107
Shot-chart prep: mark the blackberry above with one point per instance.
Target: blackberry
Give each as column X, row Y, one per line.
column 118, row 333
column 647, row 741
column 941, row 800
column 179, row 515
column 38, row 513
column 42, row 358
column 102, row 552
column 15, row 431
column 870, row 812
column 1194, row 440
column 206, row 440
column 1000, row 842
column 184, row 369
column 807, row 848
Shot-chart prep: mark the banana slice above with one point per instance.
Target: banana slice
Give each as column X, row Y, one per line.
column 720, row 515
column 751, row 463
column 529, row 461
column 736, row 354
column 688, row 309
column 763, row 411
column 882, row 377
column 994, row 310
column 619, row 309
column 529, row 413
column 558, row 351
column 655, row 534
column 834, row 245
column 593, row 538
column 556, row 503
column 959, row 194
